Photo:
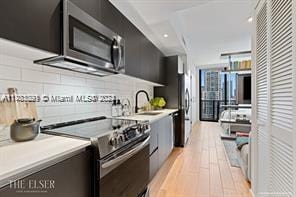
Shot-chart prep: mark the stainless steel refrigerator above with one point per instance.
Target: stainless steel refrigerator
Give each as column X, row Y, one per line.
column 177, row 94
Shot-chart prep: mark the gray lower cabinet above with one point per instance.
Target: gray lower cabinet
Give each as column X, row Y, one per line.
column 170, row 139
column 70, row 177
column 154, row 152
column 162, row 135
column 161, row 143
column 154, row 137
column 165, row 138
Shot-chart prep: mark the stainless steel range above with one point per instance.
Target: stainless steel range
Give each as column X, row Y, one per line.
column 121, row 155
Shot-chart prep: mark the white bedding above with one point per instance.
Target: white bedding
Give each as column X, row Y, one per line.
column 232, row 115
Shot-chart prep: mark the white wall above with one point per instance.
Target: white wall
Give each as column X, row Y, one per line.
column 212, row 54
column 191, row 71
column 194, row 97
column 197, row 93
column 17, row 70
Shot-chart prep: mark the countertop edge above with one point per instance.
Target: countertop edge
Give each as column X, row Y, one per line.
column 40, row 165
column 160, row 117
column 151, row 119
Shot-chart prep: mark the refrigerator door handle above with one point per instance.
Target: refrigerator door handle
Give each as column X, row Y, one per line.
column 187, row 103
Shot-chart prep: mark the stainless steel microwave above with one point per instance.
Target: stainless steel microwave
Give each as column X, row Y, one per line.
column 87, row 45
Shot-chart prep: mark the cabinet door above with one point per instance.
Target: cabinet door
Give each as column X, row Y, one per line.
column 145, row 59
column 157, row 62
column 91, row 7
column 162, row 141
column 168, row 135
column 32, row 22
column 153, row 63
column 154, row 137
column 154, row 151
column 165, row 138
column 160, row 68
column 72, row 177
column 132, row 38
column 39, row 23
column 170, row 128
column 112, row 17
column 149, row 61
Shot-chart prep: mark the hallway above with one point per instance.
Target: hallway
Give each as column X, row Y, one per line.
column 201, row 169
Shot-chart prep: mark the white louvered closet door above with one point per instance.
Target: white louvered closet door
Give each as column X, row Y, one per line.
column 281, row 180
column 275, row 88
column 262, row 118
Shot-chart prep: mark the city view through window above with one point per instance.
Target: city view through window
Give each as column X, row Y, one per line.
column 217, row 88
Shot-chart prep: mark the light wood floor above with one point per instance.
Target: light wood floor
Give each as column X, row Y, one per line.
column 200, row 169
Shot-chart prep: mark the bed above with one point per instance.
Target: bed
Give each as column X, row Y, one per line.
column 244, row 151
column 233, row 115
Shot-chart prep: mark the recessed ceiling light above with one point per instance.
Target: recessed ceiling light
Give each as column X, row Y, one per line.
column 250, row 19
column 165, row 35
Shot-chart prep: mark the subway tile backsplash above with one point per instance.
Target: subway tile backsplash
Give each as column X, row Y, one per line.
column 29, row 78
column 8, row 72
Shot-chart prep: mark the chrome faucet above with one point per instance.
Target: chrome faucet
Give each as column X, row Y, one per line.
column 143, row 91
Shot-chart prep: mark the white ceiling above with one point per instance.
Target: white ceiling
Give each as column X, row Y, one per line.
column 209, row 27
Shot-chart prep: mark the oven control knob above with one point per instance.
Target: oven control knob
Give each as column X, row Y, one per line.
column 113, row 141
column 121, row 138
column 144, row 128
column 140, row 128
column 116, row 139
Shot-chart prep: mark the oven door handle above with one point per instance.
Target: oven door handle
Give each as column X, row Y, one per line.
column 126, row 155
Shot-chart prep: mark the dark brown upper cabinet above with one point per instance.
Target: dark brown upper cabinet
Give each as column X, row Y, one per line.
column 32, row 22
column 132, row 38
column 111, row 17
column 39, row 24
column 147, row 60
column 92, row 7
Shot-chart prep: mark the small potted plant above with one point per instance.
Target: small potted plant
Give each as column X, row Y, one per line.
column 158, row 103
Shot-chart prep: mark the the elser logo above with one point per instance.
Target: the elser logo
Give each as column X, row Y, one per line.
column 32, row 186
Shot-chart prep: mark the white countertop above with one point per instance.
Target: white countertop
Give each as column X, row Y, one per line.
column 151, row 118
column 20, row 159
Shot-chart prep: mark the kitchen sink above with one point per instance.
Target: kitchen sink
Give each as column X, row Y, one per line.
column 150, row 113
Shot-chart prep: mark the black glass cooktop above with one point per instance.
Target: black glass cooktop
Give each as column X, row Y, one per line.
column 88, row 128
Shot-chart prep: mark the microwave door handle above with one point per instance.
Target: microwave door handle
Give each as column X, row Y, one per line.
column 112, row 52
column 119, row 56
column 116, row 53
column 125, row 156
